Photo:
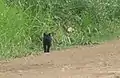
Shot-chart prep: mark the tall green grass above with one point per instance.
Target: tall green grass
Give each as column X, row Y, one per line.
column 12, row 31
column 71, row 22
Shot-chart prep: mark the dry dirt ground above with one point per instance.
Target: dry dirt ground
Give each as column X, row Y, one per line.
column 101, row 61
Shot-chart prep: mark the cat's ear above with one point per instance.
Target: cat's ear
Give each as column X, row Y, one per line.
column 49, row 34
column 44, row 34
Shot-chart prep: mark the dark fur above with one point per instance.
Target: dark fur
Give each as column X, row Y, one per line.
column 47, row 42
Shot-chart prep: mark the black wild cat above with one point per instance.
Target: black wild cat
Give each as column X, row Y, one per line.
column 47, row 42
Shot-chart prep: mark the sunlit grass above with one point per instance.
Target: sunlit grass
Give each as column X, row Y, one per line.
column 71, row 22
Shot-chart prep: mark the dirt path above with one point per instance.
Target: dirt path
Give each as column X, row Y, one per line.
column 102, row 61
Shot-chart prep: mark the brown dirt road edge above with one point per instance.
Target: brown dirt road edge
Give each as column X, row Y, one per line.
column 101, row 61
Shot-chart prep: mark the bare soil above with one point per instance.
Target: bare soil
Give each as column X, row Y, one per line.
column 101, row 61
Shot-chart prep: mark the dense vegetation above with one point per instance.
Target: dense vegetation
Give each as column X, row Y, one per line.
column 71, row 22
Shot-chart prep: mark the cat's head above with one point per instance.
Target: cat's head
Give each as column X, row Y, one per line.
column 49, row 34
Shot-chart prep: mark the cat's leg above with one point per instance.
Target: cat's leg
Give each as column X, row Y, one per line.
column 45, row 48
column 48, row 48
